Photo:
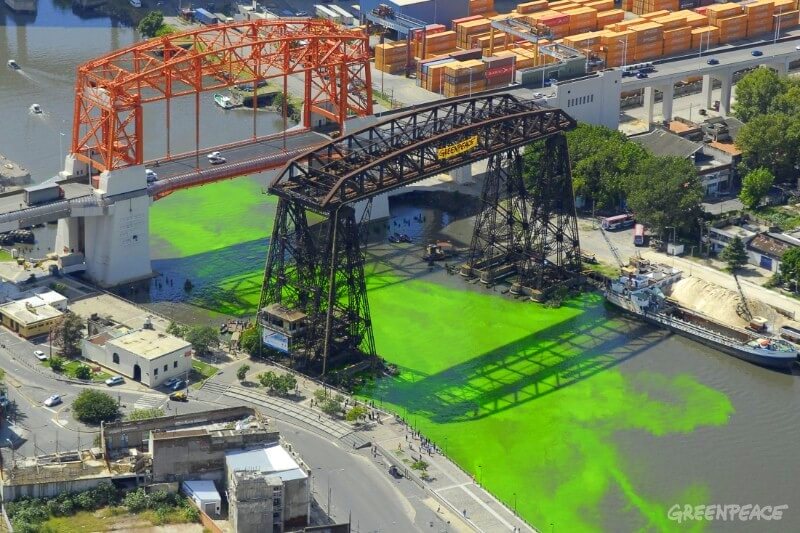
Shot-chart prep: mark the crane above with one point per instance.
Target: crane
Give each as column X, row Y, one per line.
column 742, row 309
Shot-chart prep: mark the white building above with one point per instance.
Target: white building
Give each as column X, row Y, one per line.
column 205, row 495
column 720, row 237
column 593, row 98
column 144, row 355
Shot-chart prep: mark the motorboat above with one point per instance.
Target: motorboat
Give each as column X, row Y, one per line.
column 13, row 64
column 36, row 109
column 223, row 101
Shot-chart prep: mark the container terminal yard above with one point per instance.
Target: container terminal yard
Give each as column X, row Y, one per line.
column 364, row 275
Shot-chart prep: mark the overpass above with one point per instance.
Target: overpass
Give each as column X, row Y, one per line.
column 776, row 55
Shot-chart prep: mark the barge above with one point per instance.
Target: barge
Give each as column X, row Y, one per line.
column 641, row 293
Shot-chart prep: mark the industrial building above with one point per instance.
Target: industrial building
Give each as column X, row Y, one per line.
column 35, row 315
column 266, row 486
column 145, row 355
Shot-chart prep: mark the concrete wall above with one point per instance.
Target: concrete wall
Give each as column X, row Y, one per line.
column 249, row 502
column 137, row 433
column 296, row 502
column 49, row 489
column 593, row 99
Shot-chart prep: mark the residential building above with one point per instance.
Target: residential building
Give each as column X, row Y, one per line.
column 720, row 237
column 767, row 249
column 144, row 354
column 30, row 317
column 266, row 487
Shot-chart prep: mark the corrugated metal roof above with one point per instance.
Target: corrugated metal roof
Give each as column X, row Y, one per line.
column 272, row 461
column 205, row 491
column 664, row 143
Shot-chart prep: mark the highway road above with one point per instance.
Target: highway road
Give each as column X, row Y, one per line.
column 696, row 64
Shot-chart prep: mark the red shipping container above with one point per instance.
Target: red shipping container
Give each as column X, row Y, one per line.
column 497, row 72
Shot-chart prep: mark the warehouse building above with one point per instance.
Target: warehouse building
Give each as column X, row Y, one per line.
column 144, row 355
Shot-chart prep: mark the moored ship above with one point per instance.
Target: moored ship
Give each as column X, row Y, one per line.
column 641, row 292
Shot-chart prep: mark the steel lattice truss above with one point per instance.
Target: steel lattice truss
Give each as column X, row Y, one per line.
column 110, row 91
column 403, row 149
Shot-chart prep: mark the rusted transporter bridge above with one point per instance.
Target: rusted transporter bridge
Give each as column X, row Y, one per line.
column 314, row 301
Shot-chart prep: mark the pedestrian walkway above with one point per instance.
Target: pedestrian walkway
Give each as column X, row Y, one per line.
column 149, row 401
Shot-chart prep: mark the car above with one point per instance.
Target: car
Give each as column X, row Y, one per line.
column 116, row 380
column 797, row 47
column 395, row 473
column 641, row 75
column 55, row 399
column 627, row 74
column 178, row 385
column 215, row 158
column 151, row 176
column 301, row 14
column 179, row 396
column 170, row 382
column 756, row 53
column 40, row 355
column 538, row 95
column 713, row 61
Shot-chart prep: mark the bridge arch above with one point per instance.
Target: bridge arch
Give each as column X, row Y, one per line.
column 111, row 90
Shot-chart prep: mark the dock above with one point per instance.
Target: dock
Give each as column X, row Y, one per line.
column 12, row 173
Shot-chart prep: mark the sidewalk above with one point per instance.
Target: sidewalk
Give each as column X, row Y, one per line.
column 455, row 492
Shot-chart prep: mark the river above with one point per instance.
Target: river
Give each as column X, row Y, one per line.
column 588, row 420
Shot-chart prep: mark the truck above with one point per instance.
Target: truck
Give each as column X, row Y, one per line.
column 205, row 17
column 46, row 192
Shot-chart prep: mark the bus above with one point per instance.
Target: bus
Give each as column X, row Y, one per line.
column 617, row 222
column 638, row 235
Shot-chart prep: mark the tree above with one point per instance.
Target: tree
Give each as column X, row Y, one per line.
column 83, row 372
column 165, row 29
column 357, row 412
column 787, row 103
column 772, row 142
column 241, row 372
column 93, row 407
column 176, row 329
column 332, row 405
column 249, row 340
column 203, row 338
column 790, row 265
column 266, row 379
column 67, row 335
column 756, row 91
column 145, row 414
column 755, row 186
column 57, row 363
column 735, row 255
column 666, row 193
column 150, row 24
column 279, row 384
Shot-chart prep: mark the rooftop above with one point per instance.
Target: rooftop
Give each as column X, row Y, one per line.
column 726, row 147
column 274, row 461
column 664, row 143
column 30, row 311
column 205, row 490
column 734, row 231
column 150, row 344
column 773, row 244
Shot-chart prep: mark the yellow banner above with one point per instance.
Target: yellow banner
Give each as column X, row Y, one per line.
column 458, row 148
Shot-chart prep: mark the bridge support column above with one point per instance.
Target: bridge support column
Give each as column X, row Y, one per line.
column 668, row 92
column 68, row 238
column 649, row 102
column 725, row 97
column 462, row 175
column 781, row 67
column 118, row 241
column 708, row 86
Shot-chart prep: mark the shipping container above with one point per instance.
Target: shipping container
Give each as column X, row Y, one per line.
column 345, row 17
column 532, row 7
column 46, row 192
column 205, row 17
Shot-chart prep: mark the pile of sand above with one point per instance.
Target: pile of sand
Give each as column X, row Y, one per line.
column 720, row 303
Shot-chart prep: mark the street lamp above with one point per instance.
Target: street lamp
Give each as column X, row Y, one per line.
column 61, row 146
column 778, row 26
column 329, row 472
column 624, row 52
column 515, row 504
column 480, row 475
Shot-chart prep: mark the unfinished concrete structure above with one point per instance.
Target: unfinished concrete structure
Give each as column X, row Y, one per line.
column 46, row 476
column 268, row 491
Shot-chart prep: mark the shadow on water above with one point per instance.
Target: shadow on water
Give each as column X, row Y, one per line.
column 519, row 372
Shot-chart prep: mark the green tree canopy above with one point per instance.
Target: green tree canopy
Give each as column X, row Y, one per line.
column 203, row 338
column 734, row 254
column 790, row 264
column 93, row 407
column 249, row 340
column 150, row 24
column 241, row 372
column 756, row 91
column 67, row 335
column 788, row 102
column 755, row 186
column 772, row 142
column 666, row 193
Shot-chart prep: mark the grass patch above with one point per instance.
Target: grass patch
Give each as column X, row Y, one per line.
column 603, row 269
column 200, row 372
column 786, row 218
column 71, row 367
column 5, row 256
column 101, row 520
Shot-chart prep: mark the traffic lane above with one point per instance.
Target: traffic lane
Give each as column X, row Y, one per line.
column 188, row 163
column 358, row 488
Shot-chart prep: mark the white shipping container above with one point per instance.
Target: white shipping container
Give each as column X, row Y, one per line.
column 347, row 18
column 325, row 13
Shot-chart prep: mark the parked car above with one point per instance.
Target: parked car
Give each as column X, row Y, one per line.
column 116, row 380
column 178, row 385
column 757, row 53
column 215, row 158
column 179, row 396
column 797, row 47
column 40, row 355
column 55, row 399
column 171, row 381
column 301, row 14
column 713, row 61
column 151, row 176
column 641, row 75
column 395, row 473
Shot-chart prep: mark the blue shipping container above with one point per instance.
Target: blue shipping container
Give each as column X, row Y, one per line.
column 204, row 17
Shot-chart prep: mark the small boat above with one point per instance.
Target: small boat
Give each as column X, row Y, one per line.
column 223, row 101
column 13, row 64
column 36, row 109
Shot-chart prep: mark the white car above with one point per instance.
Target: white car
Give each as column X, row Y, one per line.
column 55, row 399
column 116, row 380
column 40, row 355
column 215, row 158
column 151, row 176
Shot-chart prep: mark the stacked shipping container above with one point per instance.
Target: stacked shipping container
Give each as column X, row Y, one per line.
column 392, row 57
column 640, row 7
